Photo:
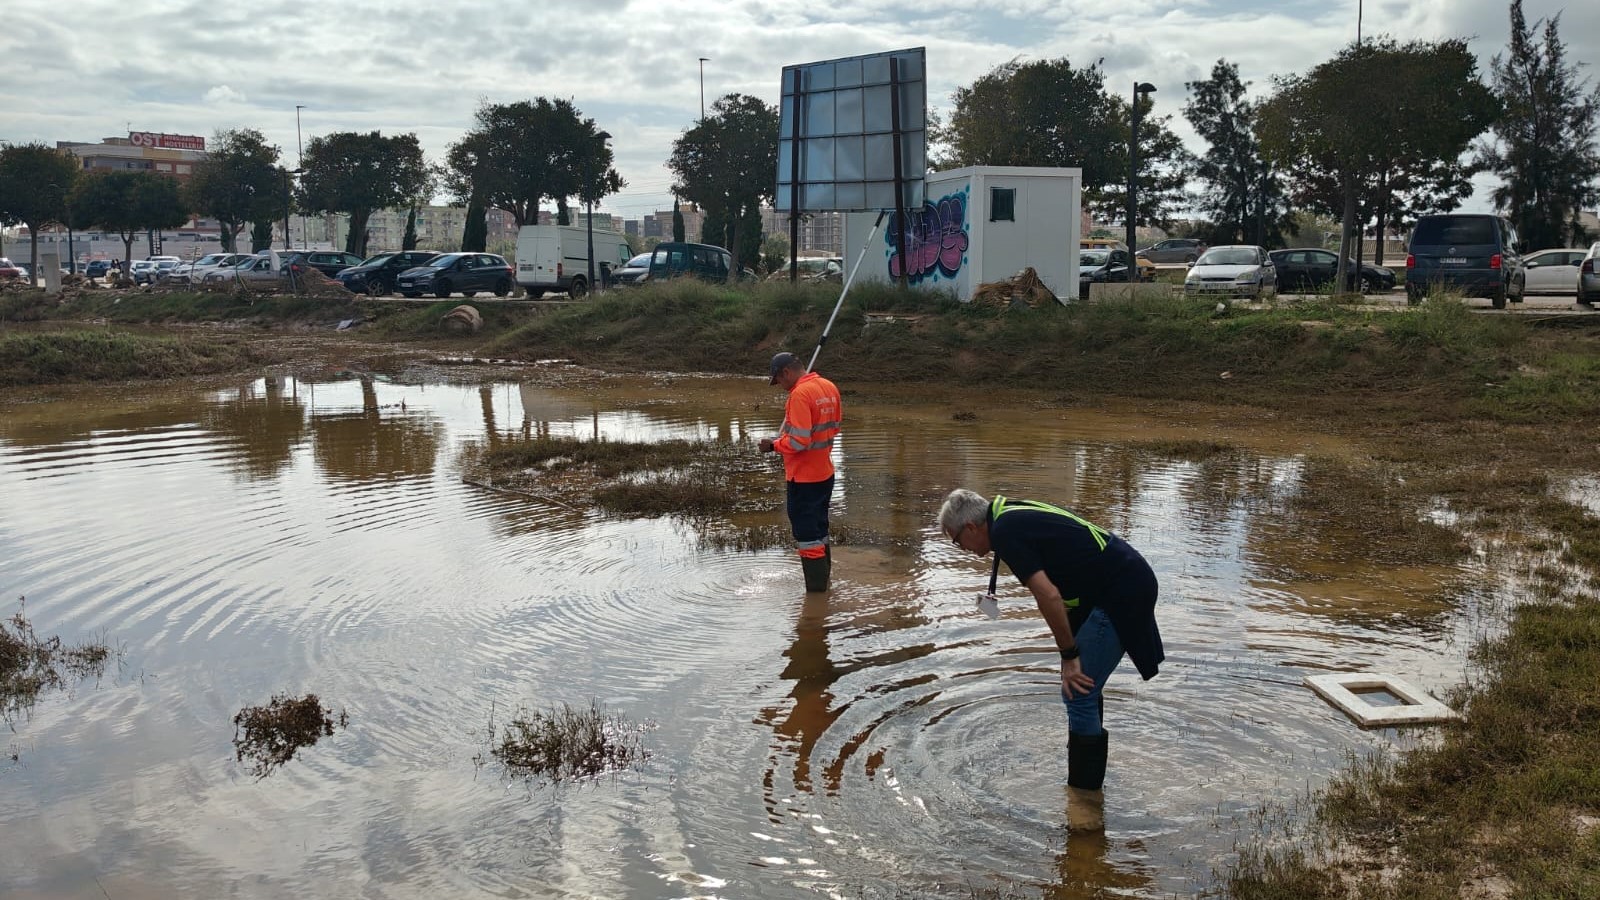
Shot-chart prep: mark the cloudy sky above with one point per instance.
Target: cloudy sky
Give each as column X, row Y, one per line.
column 101, row 67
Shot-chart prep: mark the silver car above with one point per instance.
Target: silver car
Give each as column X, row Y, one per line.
column 1589, row 277
column 1240, row 270
column 1552, row 271
column 1174, row 250
column 263, row 269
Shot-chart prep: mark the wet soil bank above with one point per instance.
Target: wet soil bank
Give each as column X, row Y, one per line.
column 1485, row 423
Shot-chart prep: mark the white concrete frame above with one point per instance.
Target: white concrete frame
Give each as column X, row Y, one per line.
column 1418, row 709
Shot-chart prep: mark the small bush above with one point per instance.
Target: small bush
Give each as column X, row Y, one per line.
column 564, row 744
column 269, row 736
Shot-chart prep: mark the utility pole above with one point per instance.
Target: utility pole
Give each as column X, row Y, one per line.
column 1139, row 88
column 703, row 61
column 299, row 164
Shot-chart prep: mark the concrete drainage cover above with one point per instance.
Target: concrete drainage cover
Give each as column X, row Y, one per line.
column 1416, row 708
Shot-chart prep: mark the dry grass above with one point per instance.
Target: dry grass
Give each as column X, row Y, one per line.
column 30, row 666
column 566, row 744
column 692, row 478
column 269, row 736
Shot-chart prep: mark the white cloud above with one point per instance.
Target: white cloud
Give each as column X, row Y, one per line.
column 224, row 94
column 633, row 65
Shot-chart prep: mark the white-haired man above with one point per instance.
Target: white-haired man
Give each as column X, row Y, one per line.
column 1097, row 594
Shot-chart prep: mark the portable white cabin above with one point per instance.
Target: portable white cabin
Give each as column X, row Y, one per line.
column 980, row 224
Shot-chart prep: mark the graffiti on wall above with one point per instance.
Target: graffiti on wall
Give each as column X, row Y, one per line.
column 936, row 239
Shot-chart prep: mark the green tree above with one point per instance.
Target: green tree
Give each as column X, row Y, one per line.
column 409, row 241
column 475, row 237
column 1164, row 168
column 721, row 232
column 774, row 252
column 351, row 173
column 1544, row 142
column 725, row 163
column 677, row 220
column 128, row 203
column 1243, row 196
column 520, row 154
column 1323, row 128
column 260, row 235
column 35, row 182
column 1044, row 113
column 237, row 183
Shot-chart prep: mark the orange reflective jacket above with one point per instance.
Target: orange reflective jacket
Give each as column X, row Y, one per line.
column 810, row 423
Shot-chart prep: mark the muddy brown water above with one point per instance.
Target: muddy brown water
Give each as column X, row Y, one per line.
column 285, row 535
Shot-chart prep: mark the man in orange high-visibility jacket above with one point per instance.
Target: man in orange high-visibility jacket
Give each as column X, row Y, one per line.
column 810, row 425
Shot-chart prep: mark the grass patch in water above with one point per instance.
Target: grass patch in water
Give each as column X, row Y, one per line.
column 29, row 666
column 269, row 736
column 694, row 478
column 566, row 744
column 48, row 357
column 1187, row 450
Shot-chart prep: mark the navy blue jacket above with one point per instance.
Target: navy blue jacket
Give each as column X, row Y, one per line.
column 1089, row 565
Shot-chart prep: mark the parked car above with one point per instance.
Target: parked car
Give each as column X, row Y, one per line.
column 9, row 269
column 165, row 266
column 1101, row 267
column 674, row 260
column 813, row 268
column 463, row 273
column 376, row 275
column 1147, row 269
column 97, row 268
column 328, row 262
column 263, row 269
column 1240, row 270
column 1589, row 277
column 196, row 272
column 1312, row 269
column 1174, row 250
column 1472, row 253
column 1552, row 271
column 634, row 271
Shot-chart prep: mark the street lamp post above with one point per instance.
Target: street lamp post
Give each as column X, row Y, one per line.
column 588, row 221
column 1133, row 175
column 703, row 61
column 286, row 205
column 300, row 163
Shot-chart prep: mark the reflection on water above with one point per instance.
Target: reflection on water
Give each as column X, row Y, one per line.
column 285, row 536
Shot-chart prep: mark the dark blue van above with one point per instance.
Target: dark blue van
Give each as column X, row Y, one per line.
column 1474, row 254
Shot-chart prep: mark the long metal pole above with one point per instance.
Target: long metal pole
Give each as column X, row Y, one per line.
column 900, row 223
column 1133, row 172
column 702, row 88
column 845, row 290
column 299, row 163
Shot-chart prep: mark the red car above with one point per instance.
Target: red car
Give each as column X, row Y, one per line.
column 9, row 269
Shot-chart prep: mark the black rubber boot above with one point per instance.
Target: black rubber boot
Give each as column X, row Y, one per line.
column 816, row 572
column 1086, row 760
column 1086, row 772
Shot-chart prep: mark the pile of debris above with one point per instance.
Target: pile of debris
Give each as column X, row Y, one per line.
column 1021, row 289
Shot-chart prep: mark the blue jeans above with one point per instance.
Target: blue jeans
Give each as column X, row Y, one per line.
column 1099, row 652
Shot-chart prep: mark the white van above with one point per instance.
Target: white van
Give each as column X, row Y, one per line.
column 556, row 257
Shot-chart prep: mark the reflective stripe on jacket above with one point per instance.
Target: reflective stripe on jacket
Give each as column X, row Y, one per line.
column 810, row 423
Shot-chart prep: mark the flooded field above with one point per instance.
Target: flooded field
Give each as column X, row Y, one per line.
column 286, row 537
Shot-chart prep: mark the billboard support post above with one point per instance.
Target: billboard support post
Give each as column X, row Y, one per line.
column 794, row 177
column 899, row 172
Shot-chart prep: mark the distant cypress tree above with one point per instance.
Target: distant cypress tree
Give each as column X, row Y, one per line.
column 677, row 221
column 260, row 236
column 409, row 242
column 1544, row 149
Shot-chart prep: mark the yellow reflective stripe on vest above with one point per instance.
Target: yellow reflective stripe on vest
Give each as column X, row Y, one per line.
column 1000, row 506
